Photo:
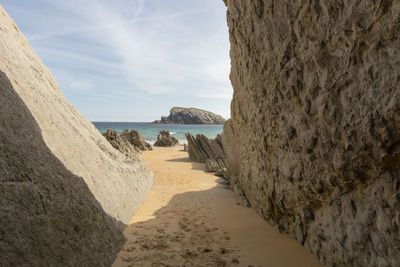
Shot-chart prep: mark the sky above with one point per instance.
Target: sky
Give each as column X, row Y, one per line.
column 132, row 60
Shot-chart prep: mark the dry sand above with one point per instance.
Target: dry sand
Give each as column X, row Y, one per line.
column 190, row 219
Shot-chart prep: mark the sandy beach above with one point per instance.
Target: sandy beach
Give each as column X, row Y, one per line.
column 191, row 219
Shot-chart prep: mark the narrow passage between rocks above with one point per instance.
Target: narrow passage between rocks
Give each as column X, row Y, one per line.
column 190, row 219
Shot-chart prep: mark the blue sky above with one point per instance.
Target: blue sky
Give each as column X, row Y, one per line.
column 132, row 60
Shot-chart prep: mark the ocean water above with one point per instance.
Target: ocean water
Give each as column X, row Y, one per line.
column 150, row 131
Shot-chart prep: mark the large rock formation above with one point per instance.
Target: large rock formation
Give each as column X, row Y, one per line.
column 191, row 116
column 129, row 142
column 120, row 144
column 314, row 141
column 165, row 139
column 66, row 192
column 209, row 151
column 135, row 138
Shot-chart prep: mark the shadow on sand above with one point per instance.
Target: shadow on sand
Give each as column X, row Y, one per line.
column 181, row 234
column 195, row 165
column 189, row 219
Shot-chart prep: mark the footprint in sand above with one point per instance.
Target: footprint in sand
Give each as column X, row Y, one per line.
column 207, row 250
column 130, row 259
column 224, row 251
column 158, row 264
column 235, row 261
column 129, row 249
column 189, row 254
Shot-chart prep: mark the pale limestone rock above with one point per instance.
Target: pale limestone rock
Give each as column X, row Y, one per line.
column 65, row 184
column 48, row 216
column 71, row 138
column 313, row 142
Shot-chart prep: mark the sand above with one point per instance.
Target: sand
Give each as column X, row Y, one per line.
column 191, row 219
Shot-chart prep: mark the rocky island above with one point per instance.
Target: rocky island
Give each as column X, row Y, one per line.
column 191, row 116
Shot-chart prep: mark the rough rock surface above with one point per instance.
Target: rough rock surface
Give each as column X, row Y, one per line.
column 211, row 165
column 165, row 139
column 120, row 144
column 119, row 183
column 135, row 138
column 191, row 116
column 129, row 142
column 314, row 141
column 57, row 194
column 48, row 216
column 209, row 151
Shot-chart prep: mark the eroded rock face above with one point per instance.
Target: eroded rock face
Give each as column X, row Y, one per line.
column 191, row 116
column 313, row 143
column 66, row 192
column 165, row 139
column 128, row 143
column 120, row 144
column 209, row 151
column 135, row 138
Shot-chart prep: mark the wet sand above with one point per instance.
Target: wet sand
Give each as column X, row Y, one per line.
column 190, row 219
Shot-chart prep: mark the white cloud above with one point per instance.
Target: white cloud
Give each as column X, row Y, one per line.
column 159, row 53
column 164, row 52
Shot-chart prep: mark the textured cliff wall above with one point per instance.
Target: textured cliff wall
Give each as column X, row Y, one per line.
column 66, row 192
column 316, row 123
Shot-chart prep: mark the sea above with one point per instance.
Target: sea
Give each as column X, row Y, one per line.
column 150, row 131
